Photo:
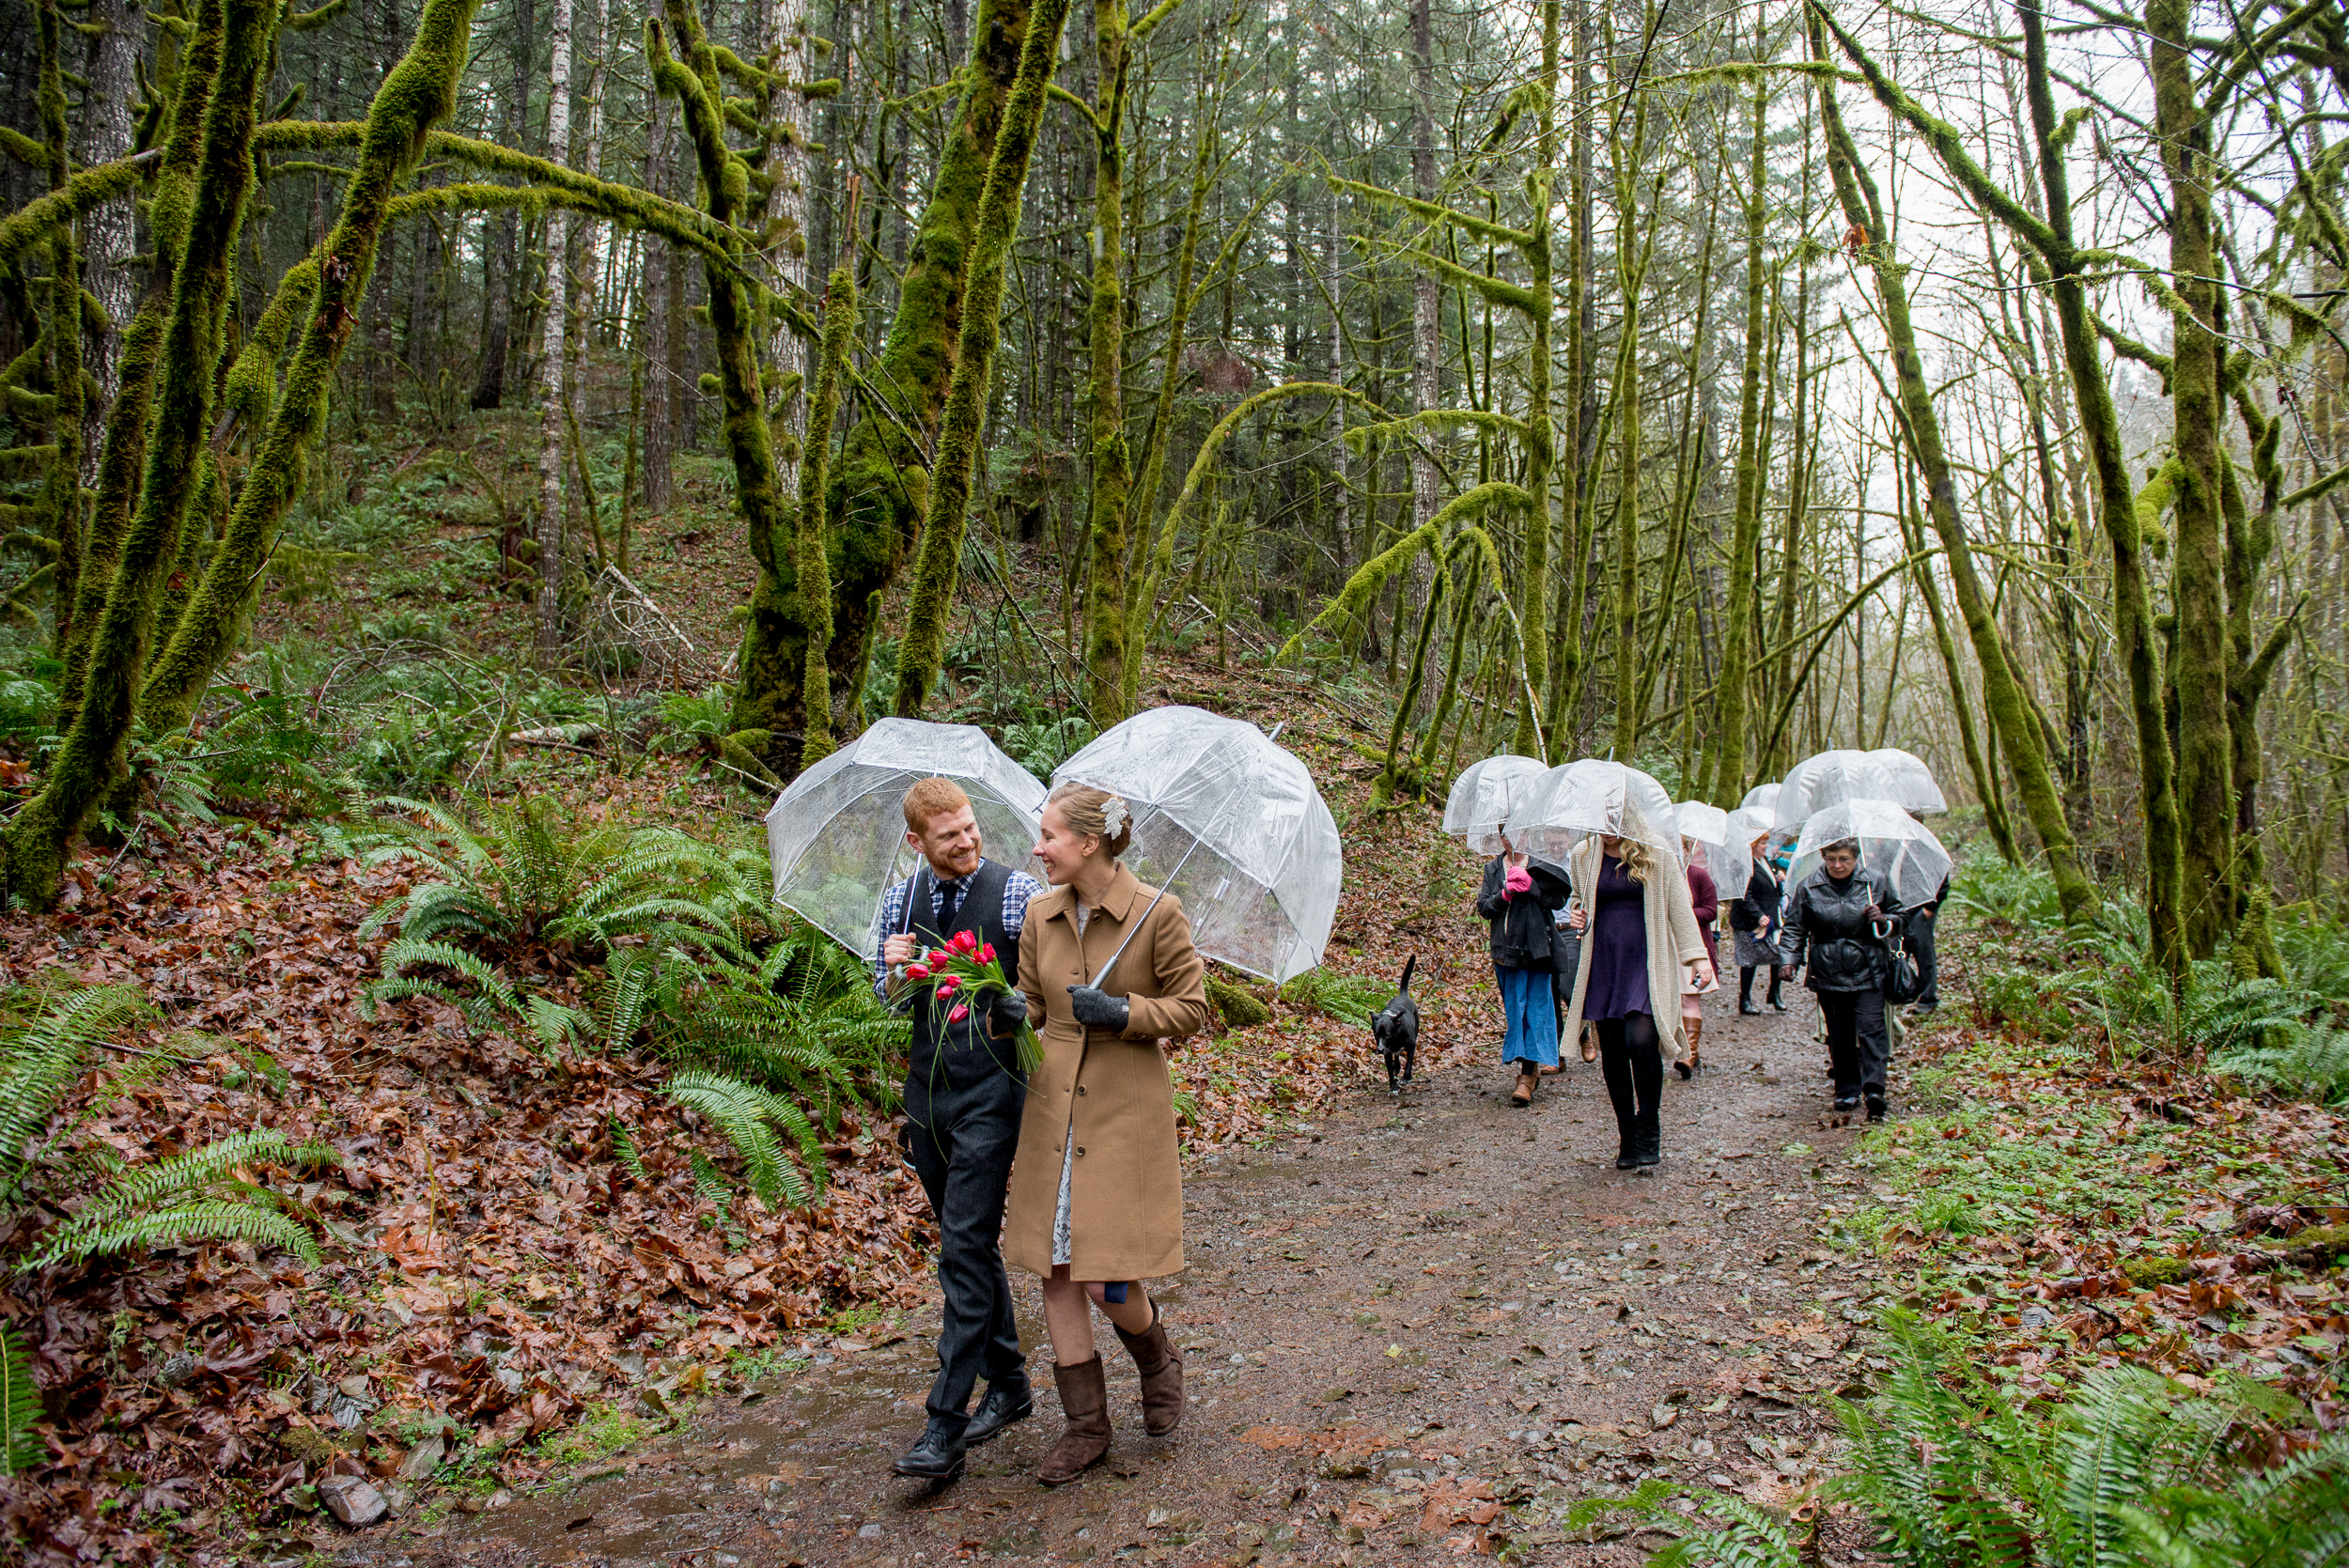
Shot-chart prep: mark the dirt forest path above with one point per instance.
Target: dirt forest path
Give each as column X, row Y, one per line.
column 1424, row 1327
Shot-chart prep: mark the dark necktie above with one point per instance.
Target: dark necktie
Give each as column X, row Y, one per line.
column 950, row 904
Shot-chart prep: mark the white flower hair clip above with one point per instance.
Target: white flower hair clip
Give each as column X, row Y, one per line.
column 1113, row 817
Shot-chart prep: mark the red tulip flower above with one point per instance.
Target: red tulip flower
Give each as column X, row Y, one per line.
column 962, row 1010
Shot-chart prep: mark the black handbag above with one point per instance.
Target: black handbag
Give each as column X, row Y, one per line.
column 1903, row 977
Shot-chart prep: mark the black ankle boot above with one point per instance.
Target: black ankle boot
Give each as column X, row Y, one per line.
column 1626, row 1151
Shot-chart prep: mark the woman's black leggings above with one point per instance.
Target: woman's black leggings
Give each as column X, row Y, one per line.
column 1633, row 1060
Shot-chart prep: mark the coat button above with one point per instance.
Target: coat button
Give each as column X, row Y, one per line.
column 1081, row 1150
column 1081, row 1089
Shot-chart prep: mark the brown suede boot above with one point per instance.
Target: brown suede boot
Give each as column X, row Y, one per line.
column 1084, row 1399
column 1687, row 1068
column 1161, row 1367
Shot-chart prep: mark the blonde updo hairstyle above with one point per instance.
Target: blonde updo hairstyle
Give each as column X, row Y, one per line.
column 1089, row 810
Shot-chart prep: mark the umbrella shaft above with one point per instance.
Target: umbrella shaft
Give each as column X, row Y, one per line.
column 1146, row 914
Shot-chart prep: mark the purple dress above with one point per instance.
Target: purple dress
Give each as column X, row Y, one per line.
column 1618, row 941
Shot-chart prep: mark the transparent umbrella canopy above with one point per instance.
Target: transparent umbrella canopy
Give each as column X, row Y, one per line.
column 1829, row 779
column 1719, row 851
column 1892, row 843
column 1570, row 802
column 836, row 835
column 1230, row 824
column 1478, row 807
column 1762, row 797
column 1914, row 787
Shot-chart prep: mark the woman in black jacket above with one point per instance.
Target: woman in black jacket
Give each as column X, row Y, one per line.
column 1833, row 914
column 1518, row 897
column 1754, row 921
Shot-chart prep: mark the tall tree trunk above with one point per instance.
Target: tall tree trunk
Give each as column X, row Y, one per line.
column 497, row 311
column 785, row 244
column 1540, row 432
column 1110, row 459
column 1629, row 433
column 660, row 267
column 2199, row 671
column 60, row 505
column 994, row 226
column 2013, row 721
column 1426, row 299
column 554, row 367
column 109, row 230
column 1725, row 770
column 879, row 485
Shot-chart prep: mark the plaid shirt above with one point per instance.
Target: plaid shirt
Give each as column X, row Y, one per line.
column 1019, row 887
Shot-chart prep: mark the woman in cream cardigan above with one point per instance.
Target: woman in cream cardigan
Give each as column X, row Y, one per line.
column 1641, row 935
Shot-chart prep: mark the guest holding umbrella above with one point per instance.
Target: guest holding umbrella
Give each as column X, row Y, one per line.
column 1097, row 1189
column 1641, row 932
column 1516, row 898
column 1704, row 905
column 1831, row 920
column 1753, row 925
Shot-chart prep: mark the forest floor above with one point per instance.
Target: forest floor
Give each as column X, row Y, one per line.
column 1431, row 1321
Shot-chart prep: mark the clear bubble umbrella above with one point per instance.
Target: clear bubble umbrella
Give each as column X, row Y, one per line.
column 836, row 835
column 1719, row 851
column 1570, row 802
column 1892, row 843
column 1231, row 825
column 1479, row 805
column 1914, row 786
column 1762, row 797
column 1828, row 779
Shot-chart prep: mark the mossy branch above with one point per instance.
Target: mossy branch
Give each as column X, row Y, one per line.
column 92, row 188
column 1434, row 213
column 1354, row 598
column 420, row 90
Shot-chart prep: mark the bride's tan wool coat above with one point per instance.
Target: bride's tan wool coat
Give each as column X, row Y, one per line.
column 1110, row 1092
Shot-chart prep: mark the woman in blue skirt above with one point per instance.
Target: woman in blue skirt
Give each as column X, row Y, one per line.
column 1518, row 897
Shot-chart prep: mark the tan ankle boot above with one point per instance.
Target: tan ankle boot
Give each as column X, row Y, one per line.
column 1161, row 1367
column 1084, row 1399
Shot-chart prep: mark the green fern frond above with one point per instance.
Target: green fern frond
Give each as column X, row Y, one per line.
column 20, row 1406
column 555, row 1025
column 623, row 1148
column 191, row 1172
column 408, row 954
column 40, row 1064
column 1753, row 1537
column 202, row 1219
column 749, row 1115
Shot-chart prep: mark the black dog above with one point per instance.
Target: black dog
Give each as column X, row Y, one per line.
column 1396, row 1030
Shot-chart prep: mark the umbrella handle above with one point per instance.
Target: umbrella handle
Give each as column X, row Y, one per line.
column 1114, row 957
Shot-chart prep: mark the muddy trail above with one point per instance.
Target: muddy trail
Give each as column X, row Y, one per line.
column 1429, row 1326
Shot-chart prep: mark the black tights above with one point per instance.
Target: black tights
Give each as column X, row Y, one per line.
column 1745, row 985
column 1633, row 1060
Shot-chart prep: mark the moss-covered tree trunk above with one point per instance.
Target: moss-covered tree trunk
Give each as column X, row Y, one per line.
column 2199, row 554
column 419, row 92
column 1630, row 432
column 879, row 482
column 823, row 409
column 1725, row 768
column 1541, row 434
column 122, row 450
column 1110, row 457
column 92, row 759
column 995, row 225
column 2011, row 718
column 553, row 361
column 60, row 506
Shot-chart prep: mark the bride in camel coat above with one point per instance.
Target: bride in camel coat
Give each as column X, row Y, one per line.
column 1095, row 1205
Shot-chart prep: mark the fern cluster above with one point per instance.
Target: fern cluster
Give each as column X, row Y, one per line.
column 40, row 1063
column 751, row 1118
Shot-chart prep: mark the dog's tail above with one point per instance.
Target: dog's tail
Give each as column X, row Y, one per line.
column 1409, row 965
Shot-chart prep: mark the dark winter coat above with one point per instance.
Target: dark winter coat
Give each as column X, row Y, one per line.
column 1831, row 919
column 1761, row 900
column 1521, row 927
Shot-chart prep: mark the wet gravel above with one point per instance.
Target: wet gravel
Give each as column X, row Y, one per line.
column 1420, row 1327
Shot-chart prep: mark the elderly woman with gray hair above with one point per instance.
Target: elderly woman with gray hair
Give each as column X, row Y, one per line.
column 1830, row 919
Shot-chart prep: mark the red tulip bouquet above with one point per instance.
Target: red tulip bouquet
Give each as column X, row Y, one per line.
column 962, row 974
